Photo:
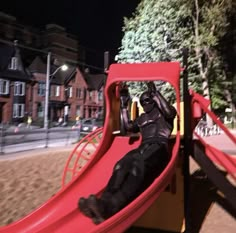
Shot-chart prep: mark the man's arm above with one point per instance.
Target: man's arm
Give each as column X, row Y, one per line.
column 167, row 110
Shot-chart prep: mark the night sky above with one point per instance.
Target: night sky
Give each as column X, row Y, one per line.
column 97, row 23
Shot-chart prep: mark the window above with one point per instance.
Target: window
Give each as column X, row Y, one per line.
column 57, row 90
column 4, row 87
column 79, row 93
column 90, row 95
column 90, row 112
column 100, row 96
column 67, row 110
column 18, row 110
column 78, row 110
column 70, row 92
column 19, row 88
column 41, row 89
column 14, row 64
column 40, row 110
column 54, row 90
column 89, row 122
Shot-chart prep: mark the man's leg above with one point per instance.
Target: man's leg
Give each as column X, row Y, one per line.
column 122, row 187
column 155, row 161
column 148, row 161
column 114, row 201
column 110, row 203
column 120, row 172
column 92, row 204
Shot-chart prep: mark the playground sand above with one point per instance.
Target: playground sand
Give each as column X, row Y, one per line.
column 28, row 181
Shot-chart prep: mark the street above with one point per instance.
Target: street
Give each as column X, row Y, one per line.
column 27, row 139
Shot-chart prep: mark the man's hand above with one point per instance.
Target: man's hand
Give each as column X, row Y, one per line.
column 151, row 88
column 124, row 97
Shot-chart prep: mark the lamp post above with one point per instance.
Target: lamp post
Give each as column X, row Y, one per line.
column 48, row 75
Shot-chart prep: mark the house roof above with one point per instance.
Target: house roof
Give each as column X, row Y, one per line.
column 39, row 66
column 95, row 81
column 16, row 75
column 6, row 54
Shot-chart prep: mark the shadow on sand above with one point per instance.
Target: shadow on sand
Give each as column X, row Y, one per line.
column 203, row 194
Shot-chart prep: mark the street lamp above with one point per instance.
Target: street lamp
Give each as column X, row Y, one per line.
column 48, row 75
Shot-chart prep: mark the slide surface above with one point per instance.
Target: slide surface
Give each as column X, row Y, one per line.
column 60, row 213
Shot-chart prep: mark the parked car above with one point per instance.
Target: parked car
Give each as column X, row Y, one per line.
column 91, row 124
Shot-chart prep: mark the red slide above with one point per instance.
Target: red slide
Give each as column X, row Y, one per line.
column 60, row 214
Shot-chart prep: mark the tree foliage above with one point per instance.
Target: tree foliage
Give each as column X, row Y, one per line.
column 158, row 30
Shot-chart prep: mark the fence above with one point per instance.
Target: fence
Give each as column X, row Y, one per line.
column 17, row 139
column 204, row 130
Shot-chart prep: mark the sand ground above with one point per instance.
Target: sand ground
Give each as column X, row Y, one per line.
column 30, row 178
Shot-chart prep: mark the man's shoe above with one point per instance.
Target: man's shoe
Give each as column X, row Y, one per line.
column 83, row 207
column 96, row 209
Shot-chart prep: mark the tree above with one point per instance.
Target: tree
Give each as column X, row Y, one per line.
column 228, row 44
column 158, row 30
column 147, row 34
column 209, row 26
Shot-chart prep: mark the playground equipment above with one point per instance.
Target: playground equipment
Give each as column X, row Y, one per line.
column 81, row 156
column 60, row 213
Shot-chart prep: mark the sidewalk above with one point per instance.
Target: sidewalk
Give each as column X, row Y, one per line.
column 222, row 142
column 36, row 152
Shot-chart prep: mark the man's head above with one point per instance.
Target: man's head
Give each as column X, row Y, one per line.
column 147, row 102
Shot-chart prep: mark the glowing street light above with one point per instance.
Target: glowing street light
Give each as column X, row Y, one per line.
column 48, row 75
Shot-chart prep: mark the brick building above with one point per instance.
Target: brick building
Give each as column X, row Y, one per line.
column 23, row 75
column 22, row 90
column 15, row 85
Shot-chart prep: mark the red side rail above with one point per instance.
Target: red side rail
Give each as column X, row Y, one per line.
column 81, row 156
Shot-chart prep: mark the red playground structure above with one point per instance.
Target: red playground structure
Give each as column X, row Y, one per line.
column 91, row 162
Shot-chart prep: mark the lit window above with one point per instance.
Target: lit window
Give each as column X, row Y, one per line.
column 41, row 89
column 100, row 95
column 70, row 92
column 19, row 88
column 4, row 87
column 90, row 95
column 14, row 64
column 57, row 91
column 18, row 110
